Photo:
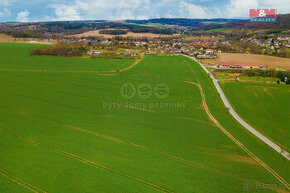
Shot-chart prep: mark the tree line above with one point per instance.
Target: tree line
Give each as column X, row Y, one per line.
column 62, row 49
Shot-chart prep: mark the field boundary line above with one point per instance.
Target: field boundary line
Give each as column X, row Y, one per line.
column 78, row 71
column 273, row 172
column 177, row 158
column 86, row 161
column 21, row 182
column 238, row 118
column 264, row 165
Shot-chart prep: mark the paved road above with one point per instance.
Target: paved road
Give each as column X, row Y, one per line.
column 238, row 118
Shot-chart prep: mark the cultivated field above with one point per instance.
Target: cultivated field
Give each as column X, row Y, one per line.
column 266, row 61
column 265, row 106
column 96, row 33
column 65, row 127
column 6, row 38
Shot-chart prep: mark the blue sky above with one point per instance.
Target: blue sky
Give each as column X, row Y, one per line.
column 56, row 10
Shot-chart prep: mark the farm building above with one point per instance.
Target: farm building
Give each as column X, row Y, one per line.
column 226, row 65
column 206, row 56
column 94, row 52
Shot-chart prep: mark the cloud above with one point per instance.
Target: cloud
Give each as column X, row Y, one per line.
column 4, row 3
column 23, row 16
column 5, row 13
column 124, row 9
column 132, row 9
column 64, row 13
column 193, row 11
column 238, row 8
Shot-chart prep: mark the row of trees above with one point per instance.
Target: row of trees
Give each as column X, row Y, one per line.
column 62, row 49
column 114, row 56
column 23, row 34
column 114, row 32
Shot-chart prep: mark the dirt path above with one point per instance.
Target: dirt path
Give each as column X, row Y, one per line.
column 238, row 118
column 273, row 172
column 251, row 154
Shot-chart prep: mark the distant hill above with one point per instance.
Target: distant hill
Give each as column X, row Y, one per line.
column 283, row 22
column 181, row 21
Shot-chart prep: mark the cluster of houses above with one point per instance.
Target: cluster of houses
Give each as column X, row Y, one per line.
column 207, row 48
column 271, row 43
column 125, row 53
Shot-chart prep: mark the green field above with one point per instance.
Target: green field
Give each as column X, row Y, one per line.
column 259, row 78
column 265, row 106
column 225, row 30
column 65, row 127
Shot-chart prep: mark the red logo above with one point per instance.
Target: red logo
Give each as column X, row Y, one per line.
column 258, row 13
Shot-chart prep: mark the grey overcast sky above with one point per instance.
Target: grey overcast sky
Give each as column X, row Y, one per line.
column 56, row 10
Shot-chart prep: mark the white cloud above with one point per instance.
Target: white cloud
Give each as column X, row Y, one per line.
column 133, row 9
column 240, row 8
column 23, row 16
column 144, row 9
column 193, row 11
column 64, row 13
column 5, row 13
column 4, row 3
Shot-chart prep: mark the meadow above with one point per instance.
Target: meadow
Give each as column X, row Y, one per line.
column 65, row 126
column 224, row 30
column 265, row 106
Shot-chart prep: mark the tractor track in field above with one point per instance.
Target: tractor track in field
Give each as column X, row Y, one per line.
column 21, row 182
column 121, row 141
column 251, row 154
column 86, row 161
column 284, row 182
column 233, row 113
column 78, row 71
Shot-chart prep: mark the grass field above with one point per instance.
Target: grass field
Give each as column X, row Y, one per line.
column 265, row 106
column 225, row 30
column 64, row 129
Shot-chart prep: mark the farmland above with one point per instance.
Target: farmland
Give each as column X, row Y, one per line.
column 266, row 61
column 75, row 131
column 225, row 30
column 265, row 106
column 96, row 33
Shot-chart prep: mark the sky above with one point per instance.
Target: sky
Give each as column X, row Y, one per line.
column 69, row 10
